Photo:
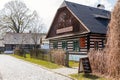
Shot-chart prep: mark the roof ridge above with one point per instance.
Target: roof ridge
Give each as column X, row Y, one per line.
column 84, row 5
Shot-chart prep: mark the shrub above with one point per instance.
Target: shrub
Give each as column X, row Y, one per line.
column 98, row 61
column 19, row 52
column 55, row 56
column 58, row 56
column 107, row 62
column 39, row 54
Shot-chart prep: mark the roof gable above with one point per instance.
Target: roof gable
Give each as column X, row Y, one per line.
column 65, row 23
column 88, row 17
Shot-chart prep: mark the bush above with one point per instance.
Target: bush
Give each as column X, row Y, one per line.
column 39, row 54
column 107, row 62
column 98, row 61
column 55, row 56
column 20, row 52
column 58, row 56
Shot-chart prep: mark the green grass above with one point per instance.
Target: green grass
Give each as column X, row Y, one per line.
column 39, row 62
column 73, row 63
column 46, row 63
column 82, row 76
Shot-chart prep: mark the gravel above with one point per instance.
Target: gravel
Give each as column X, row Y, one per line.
column 16, row 69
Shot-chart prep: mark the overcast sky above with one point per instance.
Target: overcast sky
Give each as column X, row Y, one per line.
column 47, row 8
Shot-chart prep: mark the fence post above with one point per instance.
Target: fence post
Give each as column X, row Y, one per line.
column 50, row 57
column 42, row 56
column 67, row 59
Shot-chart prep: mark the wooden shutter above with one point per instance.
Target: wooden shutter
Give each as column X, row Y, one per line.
column 82, row 42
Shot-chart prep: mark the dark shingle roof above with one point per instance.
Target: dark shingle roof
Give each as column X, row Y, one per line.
column 96, row 20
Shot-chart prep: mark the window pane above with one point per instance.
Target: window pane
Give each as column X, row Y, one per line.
column 55, row 45
column 96, row 45
column 76, row 46
column 64, row 45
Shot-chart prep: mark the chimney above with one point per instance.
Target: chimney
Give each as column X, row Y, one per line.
column 100, row 6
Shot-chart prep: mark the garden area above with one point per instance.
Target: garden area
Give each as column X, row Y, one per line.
column 48, row 61
column 53, row 59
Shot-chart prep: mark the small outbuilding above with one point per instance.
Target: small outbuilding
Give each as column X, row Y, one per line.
column 27, row 40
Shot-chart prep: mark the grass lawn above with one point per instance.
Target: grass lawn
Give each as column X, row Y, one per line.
column 39, row 62
column 73, row 63
column 82, row 76
column 45, row 63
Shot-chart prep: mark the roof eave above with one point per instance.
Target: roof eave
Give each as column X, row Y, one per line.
column 67, row 35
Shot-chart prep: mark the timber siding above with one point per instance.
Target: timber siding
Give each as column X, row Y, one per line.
column 99, row 39
column 89, row 43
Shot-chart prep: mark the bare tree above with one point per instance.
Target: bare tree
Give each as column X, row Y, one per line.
column 36, row 30
column 16, row 17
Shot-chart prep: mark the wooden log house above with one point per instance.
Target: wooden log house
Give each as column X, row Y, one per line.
column 78, row 28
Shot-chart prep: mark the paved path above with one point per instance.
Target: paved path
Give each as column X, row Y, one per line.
column 0, row 76
column 66, row 71
column 15, row 69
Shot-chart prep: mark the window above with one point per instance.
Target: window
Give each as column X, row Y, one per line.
column 64, row 45
column 104, row 41
column 76, row 46
column 55, row 45
column 96, row 45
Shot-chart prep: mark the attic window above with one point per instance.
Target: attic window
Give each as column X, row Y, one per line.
column 101, row 16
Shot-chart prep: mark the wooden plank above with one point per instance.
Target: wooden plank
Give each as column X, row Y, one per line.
column 69, row 44
column 80, row 68
column 51, row 47
column 59, row 47
column 94, row 47
column 95, row 40
column 59, row 43
column 88, row 42
column 70, row 47
column 97, row 37
column 78, row 53
column 92, row 42
column 82, row 50
column 63, row 30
